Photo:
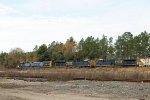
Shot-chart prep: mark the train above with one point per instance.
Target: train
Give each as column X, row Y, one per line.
column 96, row 63
column 88, row 63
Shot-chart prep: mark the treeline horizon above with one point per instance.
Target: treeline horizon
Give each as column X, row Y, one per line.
column 125, row 46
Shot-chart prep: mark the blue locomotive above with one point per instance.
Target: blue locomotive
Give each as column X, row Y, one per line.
column 34, row 64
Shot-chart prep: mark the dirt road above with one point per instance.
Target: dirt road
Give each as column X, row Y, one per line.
column 8, row 94
column 12, row 89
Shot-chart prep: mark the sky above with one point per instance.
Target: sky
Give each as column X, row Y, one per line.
column 26, row 23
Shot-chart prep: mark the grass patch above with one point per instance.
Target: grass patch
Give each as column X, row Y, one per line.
column 136, row 74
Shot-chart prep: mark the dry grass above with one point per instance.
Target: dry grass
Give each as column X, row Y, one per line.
column 137, row 74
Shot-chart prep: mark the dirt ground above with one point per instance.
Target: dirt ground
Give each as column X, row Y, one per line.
column 23, row 90
column 26, row 89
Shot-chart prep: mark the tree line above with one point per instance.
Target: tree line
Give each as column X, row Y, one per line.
column 125, row 46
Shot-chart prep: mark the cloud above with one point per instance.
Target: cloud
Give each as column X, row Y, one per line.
column 64, row 4
column 43, row 21
column 5, row 9
column 26, row 32
column 65, row 7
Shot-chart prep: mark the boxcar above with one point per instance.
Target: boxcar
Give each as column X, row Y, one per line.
column 144, row 61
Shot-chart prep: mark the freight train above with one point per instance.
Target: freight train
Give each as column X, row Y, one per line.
column 88, row 63
column 96, row 63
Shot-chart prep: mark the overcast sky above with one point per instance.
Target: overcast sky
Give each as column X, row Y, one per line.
column 26, row 23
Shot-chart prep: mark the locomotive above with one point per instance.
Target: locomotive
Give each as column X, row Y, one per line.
column 34, row 64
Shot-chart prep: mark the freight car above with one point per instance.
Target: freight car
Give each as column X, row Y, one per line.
column 143, row 62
